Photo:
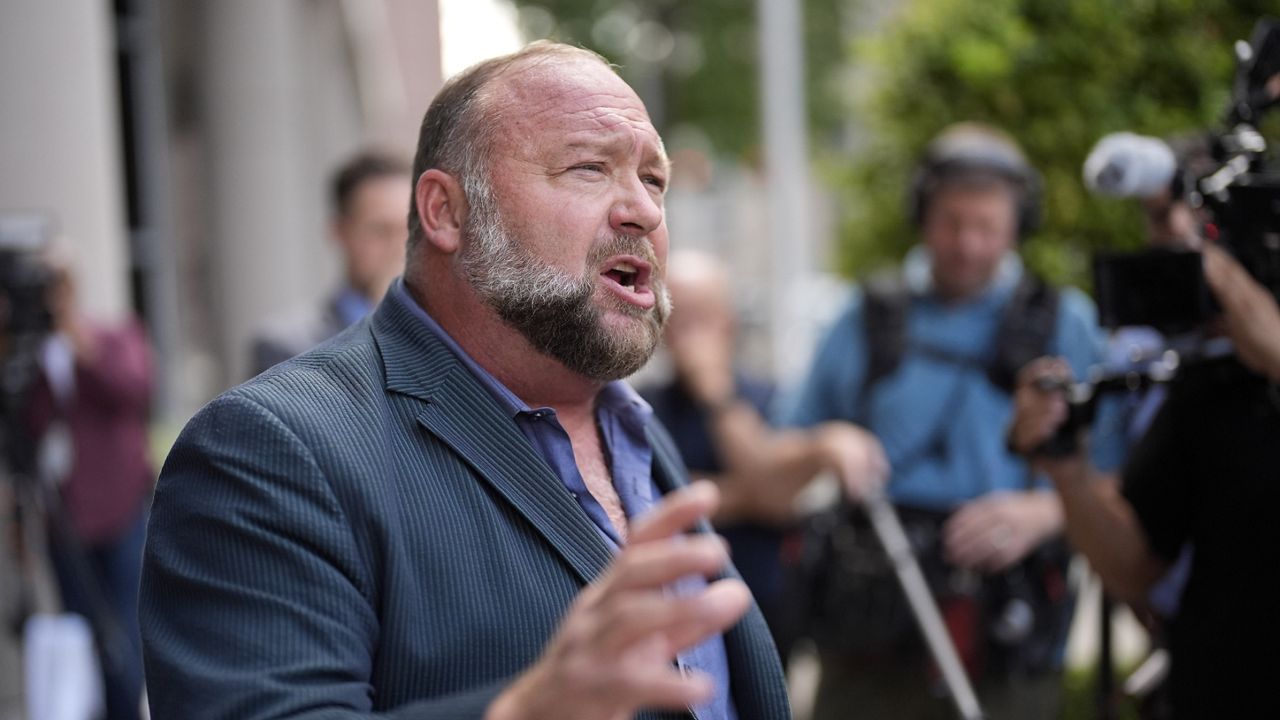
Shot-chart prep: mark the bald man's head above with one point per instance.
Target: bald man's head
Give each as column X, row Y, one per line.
column 700, row 291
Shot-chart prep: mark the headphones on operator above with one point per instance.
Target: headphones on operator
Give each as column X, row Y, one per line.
column 975, row 149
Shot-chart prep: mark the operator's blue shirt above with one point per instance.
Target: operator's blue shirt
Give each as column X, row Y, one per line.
column 942, row 423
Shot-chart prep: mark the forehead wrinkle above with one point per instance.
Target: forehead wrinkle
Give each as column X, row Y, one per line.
column 587, row 108
column 577, row 109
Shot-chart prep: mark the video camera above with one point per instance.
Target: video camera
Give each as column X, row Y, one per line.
column 25, row 320
column 1164, row 288
column 1239, row 197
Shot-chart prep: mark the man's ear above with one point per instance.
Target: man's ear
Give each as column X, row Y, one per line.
column 441, row 209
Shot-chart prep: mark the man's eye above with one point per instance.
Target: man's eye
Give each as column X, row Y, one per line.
column 589, row 167
column 657, row 182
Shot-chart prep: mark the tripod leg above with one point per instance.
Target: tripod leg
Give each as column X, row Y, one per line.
column 884, row 519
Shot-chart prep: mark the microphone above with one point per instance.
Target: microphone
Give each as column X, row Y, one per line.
column 1124, row 164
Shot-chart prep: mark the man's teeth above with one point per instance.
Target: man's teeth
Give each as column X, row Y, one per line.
column 625, row 274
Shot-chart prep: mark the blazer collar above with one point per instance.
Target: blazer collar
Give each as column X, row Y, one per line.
column 459, row 411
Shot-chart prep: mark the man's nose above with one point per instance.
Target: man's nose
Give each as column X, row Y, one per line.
column 637, row 210
column 969, row 238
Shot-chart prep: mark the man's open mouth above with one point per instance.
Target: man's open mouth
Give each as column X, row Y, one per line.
column 630, row 276
column 623, row 273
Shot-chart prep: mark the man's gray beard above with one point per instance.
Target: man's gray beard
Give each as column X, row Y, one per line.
column 553, row 309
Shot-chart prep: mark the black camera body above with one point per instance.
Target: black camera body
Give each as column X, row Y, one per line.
column 1166, row 289
column 26, row 319
column 1082, row 397
column 24, row 279
column 1160, row 288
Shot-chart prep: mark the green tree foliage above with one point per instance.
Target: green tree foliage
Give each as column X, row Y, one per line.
column 696, row 61
column 1058, row 75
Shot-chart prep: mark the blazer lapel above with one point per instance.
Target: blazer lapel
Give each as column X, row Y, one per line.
column 466, row 418
column 461, row 413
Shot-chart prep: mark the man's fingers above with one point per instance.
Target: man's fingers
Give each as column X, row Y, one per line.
column 965, row 527
column 667, row 688
column 977, row 530
column 654, row 564
column 856, row 455
column 1044, row 367
column 630, row 641
column 986, row 548
column 681, row 621
column 677, row 512
column 1038, row 411
column 613, row 686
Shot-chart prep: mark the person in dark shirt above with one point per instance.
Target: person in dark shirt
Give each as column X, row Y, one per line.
column 716, row 414
column 1206, row 472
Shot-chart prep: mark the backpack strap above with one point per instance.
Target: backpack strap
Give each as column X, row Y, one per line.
column 1025, row 331
column 885, row 305
column 1026, row 328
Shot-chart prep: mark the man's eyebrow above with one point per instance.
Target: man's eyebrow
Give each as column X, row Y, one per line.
column 593, row 143
column 609, row 145
column 660, row 159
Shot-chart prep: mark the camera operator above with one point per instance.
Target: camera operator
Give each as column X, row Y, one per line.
column 926, row 360
column 1158, row 174
column 89, row 410
column 1205, row 473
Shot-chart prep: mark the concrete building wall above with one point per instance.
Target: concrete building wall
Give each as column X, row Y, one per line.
column 60, row 138
column 271, row 98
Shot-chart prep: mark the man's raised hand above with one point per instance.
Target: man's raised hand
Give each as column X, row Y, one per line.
column 613, row 653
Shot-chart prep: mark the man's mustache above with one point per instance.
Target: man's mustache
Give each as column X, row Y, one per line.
column 625, row 245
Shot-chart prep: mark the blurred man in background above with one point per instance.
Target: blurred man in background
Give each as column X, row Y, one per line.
column 926, row 360
column 716, row 415
column 368, row 201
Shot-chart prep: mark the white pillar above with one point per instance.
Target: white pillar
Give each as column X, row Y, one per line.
column 786, row 154
column 266, row 223
column 59, row 136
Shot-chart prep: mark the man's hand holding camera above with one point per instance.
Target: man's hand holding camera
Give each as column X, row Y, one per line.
column 1100, row 522
column 1039, row 405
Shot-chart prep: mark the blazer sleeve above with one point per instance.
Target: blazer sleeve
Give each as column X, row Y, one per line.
column 257, row 602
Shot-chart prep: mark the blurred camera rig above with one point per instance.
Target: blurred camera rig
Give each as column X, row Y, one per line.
column 25, row 321
column 1240, row 195
column 1165, row 289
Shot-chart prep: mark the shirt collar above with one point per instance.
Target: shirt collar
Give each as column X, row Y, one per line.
column 616, row 397
column 622, row 400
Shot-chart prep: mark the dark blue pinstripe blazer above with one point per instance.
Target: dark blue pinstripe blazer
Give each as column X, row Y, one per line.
column 361, row 532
